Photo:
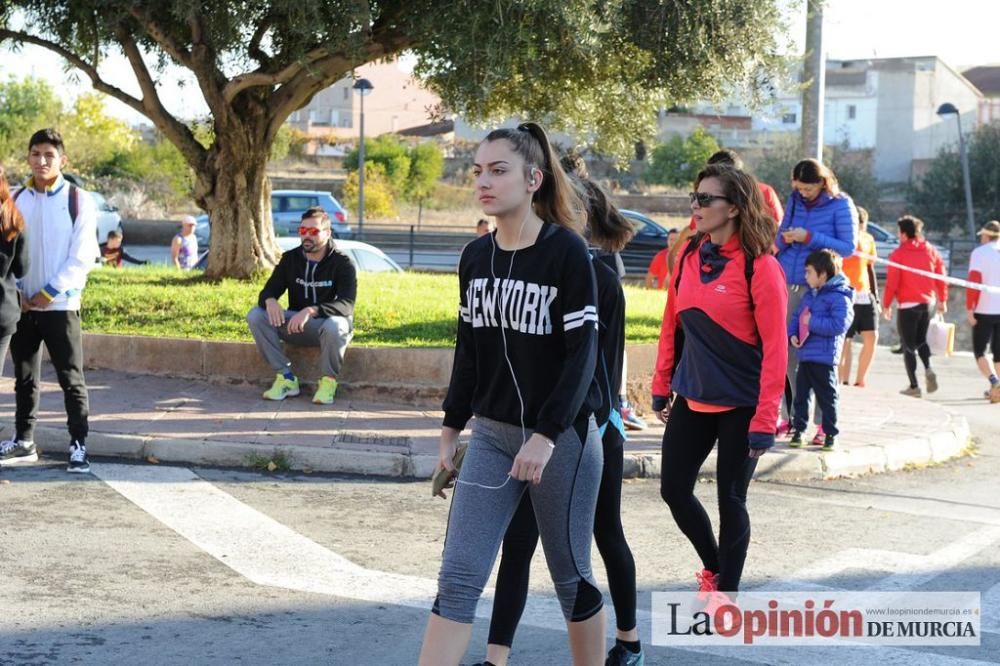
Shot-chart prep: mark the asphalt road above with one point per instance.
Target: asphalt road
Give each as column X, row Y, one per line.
column 163, row 565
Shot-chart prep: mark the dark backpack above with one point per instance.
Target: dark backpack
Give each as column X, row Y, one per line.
column 74, row 201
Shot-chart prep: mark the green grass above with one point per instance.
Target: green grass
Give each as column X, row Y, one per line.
column 393, row 310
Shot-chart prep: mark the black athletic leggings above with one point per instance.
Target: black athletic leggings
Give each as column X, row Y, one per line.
column 521, row 538
column 687, row 441
column 912, row 324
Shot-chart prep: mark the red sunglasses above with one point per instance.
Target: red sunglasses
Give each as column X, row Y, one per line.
column 309, row 231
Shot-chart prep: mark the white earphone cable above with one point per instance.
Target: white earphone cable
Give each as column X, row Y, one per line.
column 503, row 336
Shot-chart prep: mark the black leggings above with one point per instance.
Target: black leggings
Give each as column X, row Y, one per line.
column 986, row 331
column 687, row 441
column 521, row 538
column 912, row 325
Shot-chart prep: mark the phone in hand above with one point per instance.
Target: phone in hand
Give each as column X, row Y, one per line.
column 441, row 479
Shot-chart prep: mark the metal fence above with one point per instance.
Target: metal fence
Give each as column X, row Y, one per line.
column 439, row 249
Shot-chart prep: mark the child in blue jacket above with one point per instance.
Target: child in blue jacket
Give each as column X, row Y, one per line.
column 816, row 330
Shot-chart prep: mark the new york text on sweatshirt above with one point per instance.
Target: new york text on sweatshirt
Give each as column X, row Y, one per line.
column 543, row 311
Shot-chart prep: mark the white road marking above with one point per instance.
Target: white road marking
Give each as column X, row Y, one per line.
column 914, row 506
column 268, row 553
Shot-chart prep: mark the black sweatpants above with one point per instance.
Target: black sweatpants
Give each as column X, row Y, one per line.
column 521, row 538
column 60, row 331
column 912, row 324
column 687, row 441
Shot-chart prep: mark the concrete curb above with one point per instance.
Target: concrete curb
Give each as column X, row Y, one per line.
column 53, row 440
column 783, row 464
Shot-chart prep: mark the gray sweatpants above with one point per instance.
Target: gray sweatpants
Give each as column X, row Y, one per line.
column 564, row 504
column 330, row 334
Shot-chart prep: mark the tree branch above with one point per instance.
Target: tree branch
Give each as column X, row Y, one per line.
column 253, row 49
column 261, row 77
column 180, row 55
column 326, row 71
column 78, row 62
column 176, row 131
column 206, row 70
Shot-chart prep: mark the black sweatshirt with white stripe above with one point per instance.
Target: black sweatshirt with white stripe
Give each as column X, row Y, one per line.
column 543, row 310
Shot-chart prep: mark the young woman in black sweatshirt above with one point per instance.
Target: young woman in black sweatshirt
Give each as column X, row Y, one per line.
column 524, row 366
column 608, row 232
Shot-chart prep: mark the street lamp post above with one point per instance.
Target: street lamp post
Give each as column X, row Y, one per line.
column 948, row 109
column 364, row 88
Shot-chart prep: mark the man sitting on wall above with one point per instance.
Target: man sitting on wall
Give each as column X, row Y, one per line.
column 322, row 285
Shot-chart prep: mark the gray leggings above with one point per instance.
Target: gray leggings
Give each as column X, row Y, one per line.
column 564, row 504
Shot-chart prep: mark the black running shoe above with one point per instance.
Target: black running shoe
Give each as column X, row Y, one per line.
column 78, row 463
column 621, row 656
column 14, row 452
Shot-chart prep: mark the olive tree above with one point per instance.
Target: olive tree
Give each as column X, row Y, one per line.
column 598, row 70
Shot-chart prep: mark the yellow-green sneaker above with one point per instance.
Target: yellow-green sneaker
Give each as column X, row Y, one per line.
column 325, row 391
column 282, row 388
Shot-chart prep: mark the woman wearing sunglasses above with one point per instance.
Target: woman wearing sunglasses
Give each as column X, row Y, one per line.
column 720, row 369
column 818, row 216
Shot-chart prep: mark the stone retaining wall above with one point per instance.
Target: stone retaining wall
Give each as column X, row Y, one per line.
column 415, row 376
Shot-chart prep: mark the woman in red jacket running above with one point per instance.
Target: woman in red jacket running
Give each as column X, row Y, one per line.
column 914, row 292
column 720, row 371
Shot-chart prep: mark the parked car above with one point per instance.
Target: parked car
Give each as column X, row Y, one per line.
column 650, row 237
column 366, row 258
column 287, row 207
column 108, row 218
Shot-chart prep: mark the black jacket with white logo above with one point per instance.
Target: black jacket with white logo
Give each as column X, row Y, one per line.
column 331, row 283
column 546, row 308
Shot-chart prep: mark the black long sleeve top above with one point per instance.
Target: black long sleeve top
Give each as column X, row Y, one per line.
column 543, row 312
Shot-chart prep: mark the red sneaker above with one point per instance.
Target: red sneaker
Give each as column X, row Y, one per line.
column 708, row 582
column 784, row 428
column 717, row 600
column 819, row 439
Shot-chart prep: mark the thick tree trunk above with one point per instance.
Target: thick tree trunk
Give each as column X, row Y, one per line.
column 239, row 210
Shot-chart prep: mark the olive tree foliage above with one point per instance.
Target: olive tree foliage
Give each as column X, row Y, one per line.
column 598, row 70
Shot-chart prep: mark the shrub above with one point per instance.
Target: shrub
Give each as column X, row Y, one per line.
column 378, row 193
column 678, row 161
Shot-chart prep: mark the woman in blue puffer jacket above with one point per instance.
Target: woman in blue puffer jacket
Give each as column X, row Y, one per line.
column 817, row 216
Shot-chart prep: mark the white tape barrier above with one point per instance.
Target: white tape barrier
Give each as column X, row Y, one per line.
column 993, row 289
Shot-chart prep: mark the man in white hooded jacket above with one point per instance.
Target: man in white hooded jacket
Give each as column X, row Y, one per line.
column 61, row 232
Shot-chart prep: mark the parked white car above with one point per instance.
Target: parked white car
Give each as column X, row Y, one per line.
column 366, row 258
column 108, row 218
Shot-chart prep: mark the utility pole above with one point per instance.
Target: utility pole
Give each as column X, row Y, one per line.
column 814, row 79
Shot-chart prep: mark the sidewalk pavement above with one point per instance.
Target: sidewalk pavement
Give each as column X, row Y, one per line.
column 164, row 419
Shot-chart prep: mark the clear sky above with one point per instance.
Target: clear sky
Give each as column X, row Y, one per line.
column 963, row 33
